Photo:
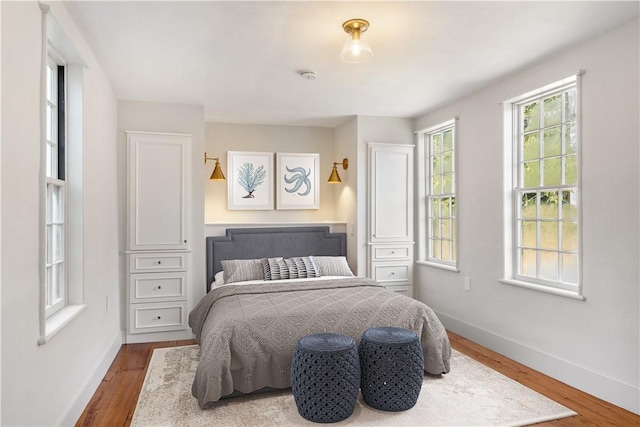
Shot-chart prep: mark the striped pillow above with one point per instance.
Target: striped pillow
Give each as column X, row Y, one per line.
column 332, row 266
column 290, row 268
column 301, row 267
column 274, row 269
column 240, row 270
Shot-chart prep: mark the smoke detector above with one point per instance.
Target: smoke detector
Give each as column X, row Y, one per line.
column 308, row 75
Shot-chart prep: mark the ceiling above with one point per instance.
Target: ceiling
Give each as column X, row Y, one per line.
column 241, row 59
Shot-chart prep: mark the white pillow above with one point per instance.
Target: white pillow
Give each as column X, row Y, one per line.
column 332, row 266
column 218, row 279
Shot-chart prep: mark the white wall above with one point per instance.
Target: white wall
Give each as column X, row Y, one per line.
column 592, row 345
column 171, row 118
column 0, row 228
column 224, row 137
column 346, row 145
column 51, row 384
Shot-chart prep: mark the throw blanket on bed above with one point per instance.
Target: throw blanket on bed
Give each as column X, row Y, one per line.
column 247, row 333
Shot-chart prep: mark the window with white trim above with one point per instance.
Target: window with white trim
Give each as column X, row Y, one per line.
column 545, row 195
column 62, row 180
column 55, row 222
column 441, row 194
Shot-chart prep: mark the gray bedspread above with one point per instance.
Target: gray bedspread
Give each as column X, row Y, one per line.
column 247, row 333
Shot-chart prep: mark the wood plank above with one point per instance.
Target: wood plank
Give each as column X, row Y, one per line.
column 590, row 409
column 114, row 402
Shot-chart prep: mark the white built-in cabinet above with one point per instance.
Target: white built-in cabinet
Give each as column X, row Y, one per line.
column 157, row 256
column 390, row 222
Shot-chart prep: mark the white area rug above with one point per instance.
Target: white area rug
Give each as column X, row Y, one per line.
column 470, row 395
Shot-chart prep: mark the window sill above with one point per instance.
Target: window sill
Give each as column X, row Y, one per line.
column 56, row 322
column 440, row 266
column 545, row 289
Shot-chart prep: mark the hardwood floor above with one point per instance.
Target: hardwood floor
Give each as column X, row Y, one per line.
column 115, row 400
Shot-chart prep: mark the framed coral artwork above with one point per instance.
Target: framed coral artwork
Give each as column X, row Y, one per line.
column 250, row 182
column 297, row 181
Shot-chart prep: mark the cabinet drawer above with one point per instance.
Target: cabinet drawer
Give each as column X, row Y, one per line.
column 147, row 287
column 386, row 273
column 386, row 253
column 157, row 317
column 150, row 262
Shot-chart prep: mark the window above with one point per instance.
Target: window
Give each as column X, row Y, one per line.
column 440, row 194
column 55, row 223
column 545, row 193
column 62, row 185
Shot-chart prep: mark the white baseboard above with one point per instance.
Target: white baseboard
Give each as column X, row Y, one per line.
column 77, row 406
column 608, row 389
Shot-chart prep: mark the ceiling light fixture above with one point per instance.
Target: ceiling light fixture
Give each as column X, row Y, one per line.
column 356, row 49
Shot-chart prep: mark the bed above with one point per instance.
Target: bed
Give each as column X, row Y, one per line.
column 268, row 287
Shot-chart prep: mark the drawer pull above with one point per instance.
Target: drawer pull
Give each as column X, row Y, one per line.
column 159, row 287
column 158, row 318
column 392, row 273
column 159, row 262
column 185, row 241
column 393, row 252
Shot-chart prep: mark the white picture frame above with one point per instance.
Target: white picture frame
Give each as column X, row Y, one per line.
column 297, row 183
column 250, row 182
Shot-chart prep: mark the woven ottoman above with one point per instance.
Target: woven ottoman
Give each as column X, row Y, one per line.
column 325, row 377
column 392, row 364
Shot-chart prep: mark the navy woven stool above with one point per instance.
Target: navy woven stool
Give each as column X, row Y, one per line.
column 325, row 377
column 392, row 367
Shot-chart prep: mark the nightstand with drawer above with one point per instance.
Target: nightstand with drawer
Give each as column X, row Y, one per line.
column 392, row 266
column 157, row 284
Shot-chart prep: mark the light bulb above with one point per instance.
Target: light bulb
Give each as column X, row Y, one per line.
column 355, row 48
column 356, row 51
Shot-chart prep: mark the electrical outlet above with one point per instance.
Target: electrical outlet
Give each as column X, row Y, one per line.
column 467, row 284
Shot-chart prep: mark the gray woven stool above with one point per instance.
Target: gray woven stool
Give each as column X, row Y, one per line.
column 325, row 377
column 392, row 365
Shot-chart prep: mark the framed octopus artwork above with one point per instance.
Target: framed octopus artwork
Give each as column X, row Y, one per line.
column 297, row 181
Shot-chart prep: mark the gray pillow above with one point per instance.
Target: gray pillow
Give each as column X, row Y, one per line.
column 290, row 268
column 240, row 270
column 301, row 267
column 332, row 266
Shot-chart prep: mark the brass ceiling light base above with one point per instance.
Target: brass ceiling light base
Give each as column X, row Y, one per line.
column 355, row 25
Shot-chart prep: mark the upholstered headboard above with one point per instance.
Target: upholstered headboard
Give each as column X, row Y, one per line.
column 249, row 243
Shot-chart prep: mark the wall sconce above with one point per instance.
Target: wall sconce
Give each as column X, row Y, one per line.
column 217, row 174
column 334, row 178
column 356, row 49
